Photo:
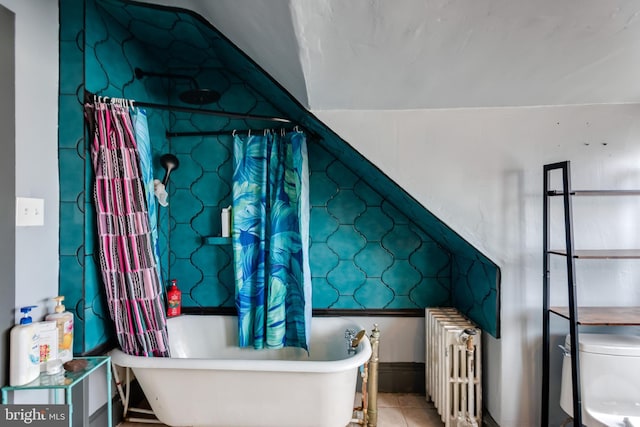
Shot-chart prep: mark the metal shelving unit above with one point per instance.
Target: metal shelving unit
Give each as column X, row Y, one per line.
column 592, row 316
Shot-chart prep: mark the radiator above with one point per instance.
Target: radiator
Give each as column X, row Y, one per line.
column 453, row 367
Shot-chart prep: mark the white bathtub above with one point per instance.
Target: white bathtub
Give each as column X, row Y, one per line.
column 209, row 381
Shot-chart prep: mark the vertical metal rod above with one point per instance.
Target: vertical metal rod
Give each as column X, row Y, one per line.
column 109, row 397
column 372, row 407
column 571, row 282
column 544, row 418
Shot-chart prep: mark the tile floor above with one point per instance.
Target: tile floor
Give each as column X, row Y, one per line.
column 405, row 410
column 394, row 410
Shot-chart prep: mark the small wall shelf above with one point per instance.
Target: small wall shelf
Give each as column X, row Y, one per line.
column 216, row 240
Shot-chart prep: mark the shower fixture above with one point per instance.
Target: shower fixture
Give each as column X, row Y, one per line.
column 195, row 95
column 170, row 163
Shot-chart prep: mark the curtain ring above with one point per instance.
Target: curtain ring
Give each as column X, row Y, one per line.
column 233, row 133
column 249, row 133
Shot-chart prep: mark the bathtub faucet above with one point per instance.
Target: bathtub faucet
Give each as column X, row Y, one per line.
column 353, row 339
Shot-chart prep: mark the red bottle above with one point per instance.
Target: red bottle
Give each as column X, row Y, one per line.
column 174, row 299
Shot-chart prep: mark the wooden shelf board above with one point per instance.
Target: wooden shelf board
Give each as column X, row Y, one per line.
column 596, row 193
column 610, row 316
column 601, row 253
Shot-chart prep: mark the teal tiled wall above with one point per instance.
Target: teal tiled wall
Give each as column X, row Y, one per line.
column 74, row 258
column 372, row 245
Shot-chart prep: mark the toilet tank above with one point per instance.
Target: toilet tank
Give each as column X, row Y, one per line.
column 609, row 377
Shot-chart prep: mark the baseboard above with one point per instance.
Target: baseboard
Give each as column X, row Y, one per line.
column 487, row 420
column 401, row 377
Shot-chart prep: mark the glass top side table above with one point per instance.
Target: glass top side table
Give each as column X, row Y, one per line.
column 66, row 380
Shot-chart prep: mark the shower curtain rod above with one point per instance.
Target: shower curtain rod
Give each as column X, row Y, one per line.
column 210, row 112
column 89, row 97
column 223, row 132
column 313, row 135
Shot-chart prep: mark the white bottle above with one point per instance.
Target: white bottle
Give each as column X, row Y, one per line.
column 24, row 359
column 225, row 219
column 64, row 321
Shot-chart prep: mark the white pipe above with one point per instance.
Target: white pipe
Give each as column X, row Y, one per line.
column 142, row 420
column 123, row 397
column 142, row 411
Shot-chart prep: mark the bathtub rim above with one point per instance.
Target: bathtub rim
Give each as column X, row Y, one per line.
column 362, row 355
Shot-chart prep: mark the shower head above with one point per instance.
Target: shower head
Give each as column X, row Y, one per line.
column 195, row 96
column 199, row 96
column 170, row 163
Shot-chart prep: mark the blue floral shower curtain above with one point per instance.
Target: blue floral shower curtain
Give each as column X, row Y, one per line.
column 270, row 234
column 141, row 128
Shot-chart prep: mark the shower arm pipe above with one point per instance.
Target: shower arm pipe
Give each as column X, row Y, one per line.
column 89, row 97
column 140, row 74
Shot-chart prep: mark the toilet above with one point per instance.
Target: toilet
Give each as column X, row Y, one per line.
column 609, row 379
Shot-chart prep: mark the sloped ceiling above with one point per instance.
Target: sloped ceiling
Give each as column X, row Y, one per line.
column 417, row 54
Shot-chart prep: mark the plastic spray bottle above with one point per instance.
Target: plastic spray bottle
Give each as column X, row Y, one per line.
column 174, row 299
column 64, row 322
column 24, row 359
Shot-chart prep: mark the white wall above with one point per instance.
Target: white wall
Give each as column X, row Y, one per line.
column 7, row 183
column 480, row 171
column 37, row 148
column 401, row 338
column 36, row 145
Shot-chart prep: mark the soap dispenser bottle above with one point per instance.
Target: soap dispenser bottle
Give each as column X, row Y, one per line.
column 64, row 322
column 24, row 359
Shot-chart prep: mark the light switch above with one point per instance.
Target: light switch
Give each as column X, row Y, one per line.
column 29, row 212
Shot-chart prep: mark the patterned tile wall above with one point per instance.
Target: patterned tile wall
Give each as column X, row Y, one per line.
column 71, row 157
column 364, row 253
column 370, row 248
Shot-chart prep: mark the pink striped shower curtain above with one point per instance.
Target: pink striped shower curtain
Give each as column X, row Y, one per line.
column 127, row 262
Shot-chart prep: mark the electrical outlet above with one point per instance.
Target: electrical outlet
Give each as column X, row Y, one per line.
column 29, row 212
